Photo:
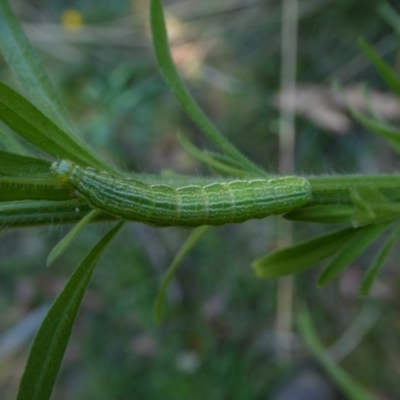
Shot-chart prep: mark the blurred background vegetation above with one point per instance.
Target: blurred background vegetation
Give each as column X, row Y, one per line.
column 218, row 341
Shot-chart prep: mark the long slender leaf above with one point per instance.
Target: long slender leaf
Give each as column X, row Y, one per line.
column 26, row 120
column 351, row 389
column 12, row 164
column 355, row 246
column 385, row 71
column 62, row 245
column 380, row 128
column 191, row 241
column 33, row 213
column 370, row 276
column 9, row 142
column 323, row 214
column 51, row 340
column 351, row 338
column 32, row 189
column 303, row 255
column 368, row 102
column 218, row 165
column 390, row 15
column 28, row 69
column 375, row 125
column 171, row 76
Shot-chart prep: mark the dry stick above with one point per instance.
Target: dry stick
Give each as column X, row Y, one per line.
column 286, row 166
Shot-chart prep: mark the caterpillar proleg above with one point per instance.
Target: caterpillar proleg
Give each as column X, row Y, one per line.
column 194, row 205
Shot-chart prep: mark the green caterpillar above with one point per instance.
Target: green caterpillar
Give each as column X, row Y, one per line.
column 216, row 203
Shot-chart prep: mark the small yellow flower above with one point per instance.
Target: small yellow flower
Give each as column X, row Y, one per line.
column 72, row 19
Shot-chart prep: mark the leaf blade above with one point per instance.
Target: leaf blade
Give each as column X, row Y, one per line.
column 171, row 76
column 30, row 123
column 62, row 245
column 354, row 246
column 51, row 340
column 190, row 242
column 385, row 71
column 378, row 127
column 28, row 68
column 25, row 213
column 32, row 189
column 210, row 159
column 349, row 386
column 301, row 256
column 323, row 214
column 12, row 164
column 370, row 276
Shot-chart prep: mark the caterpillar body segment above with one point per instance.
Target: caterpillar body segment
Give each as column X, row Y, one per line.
column 194, row 205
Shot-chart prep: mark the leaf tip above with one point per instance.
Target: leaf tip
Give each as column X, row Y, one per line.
column 258, row 269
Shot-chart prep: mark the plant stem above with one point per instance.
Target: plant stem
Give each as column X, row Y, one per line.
column 336, row 189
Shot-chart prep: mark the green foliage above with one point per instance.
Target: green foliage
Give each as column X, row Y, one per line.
column 26, row 120
column 380, row 128
column 337, row 214
column 50, row 130
column 65, row 242
column 51, row 340
column 190, row 242
column 304, row 255
column 385, row 71
column 353, row 248
column 350, row 388
column 171, row 76
column 30, row 195
column 24, row 62
column 370, row 276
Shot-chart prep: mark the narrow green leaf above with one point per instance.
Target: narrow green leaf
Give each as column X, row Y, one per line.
column 351, row 389
column 26, row 120
column 218, row 165
column 303, row 255
column 61, row 246
column 370, row 276
column 190, row 242
column 380, row 128
column 26, row 65
column 354, row 246
column 51, row 340
column 390, row 15
column 9, row 142
column 323, row 214
column 370, row 207
column 12, row 164
column 32, row 189
column 171, row 76
column 224, row 159
column 368, row 103
column 33, row 213
column 375, row 125
column 385, row 71
column 29, row 70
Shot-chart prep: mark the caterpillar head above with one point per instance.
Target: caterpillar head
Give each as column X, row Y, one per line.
column 62, row 169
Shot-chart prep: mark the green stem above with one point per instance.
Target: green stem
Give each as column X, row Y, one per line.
column 336, row 189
